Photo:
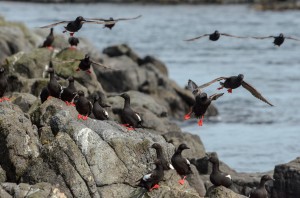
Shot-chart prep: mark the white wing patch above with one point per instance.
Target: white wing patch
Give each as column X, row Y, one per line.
column 188, row 162
column 171, row 166
column 146, row 177
column 105, row 113
column 138, row 117
column 228, row 176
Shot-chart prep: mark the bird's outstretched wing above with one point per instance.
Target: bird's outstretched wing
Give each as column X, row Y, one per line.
column 125, row 19
column 211, row 82
column 292, row 38
column 229, row 35
column 55, row 24
column 262, row 37
column 216, row 96
column 255, row 93
column 194, row 88
column 198, row 37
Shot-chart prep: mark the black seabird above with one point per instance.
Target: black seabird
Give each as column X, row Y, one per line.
column 3, row 85
column 98, row 109
column 151, row 180
column 131, row 119
column 44, row 94
column 181, row 164
column 54, row 88
column 73, row 41
column 83, row 106
column 67, row 94
column 160, row 155
column 217, row 177
column 49, row 40
column 260, row 191
column 201, row 104
column 110, row 23
column 234, row 82
column 72, row 26
column 278, row 40
column 215, row 36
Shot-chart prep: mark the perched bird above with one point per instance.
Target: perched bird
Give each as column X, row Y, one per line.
column 110, row 23
column 151, row 180
column 98, row 108
column 160, row 155
column 3, row 85
column 83, row 106
column 260, row 191
column 131, row 119
column 73, row 41
column 234, row 82
column 67, row 94
column 217, row 177
column 181, row 164
column 215, row 36
column 49, row 40
column 72, row 26
column 278, row 40
column 200, row 107
column 54, row 88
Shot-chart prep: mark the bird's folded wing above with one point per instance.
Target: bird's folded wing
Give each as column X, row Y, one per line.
column 211, row 82
column 147, row 177
column 54, row 24
column 198, row 37
column 255, row 93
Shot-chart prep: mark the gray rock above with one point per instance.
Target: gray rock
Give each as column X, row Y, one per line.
column 222, row 192
column 23, row 100
column 2, row 175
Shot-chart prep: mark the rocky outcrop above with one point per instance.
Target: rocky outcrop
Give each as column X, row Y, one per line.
column 222, row 192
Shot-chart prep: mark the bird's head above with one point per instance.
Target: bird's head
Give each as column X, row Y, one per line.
column 125, row 96
column 213, row 158
column 80, row 19
column 281, row 35
column 203, row 96
column 80, row 93
column 71, row 79
column 87, row 57
column 266, row 178
column 183, row 147
column 156, row 146
column 241, row 76
column 216, row 32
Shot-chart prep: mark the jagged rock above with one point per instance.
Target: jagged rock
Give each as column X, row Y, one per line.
column 2, row 175
column 222, row 192
column 4, row 194
column 287, row 180
column 18, row 141
column 156, row 63
column 23, row 100
column 120, row 50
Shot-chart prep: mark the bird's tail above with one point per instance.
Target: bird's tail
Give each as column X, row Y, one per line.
column 138, row 193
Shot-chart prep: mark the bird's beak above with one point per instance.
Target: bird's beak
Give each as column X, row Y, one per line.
column 187, row 148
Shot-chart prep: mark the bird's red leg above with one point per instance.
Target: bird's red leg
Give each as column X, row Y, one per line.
column 182, row 180
column 72, row 104
column 72, row 33
column 229, row 90
column 200, row 122
column 88, row 71
column 156, row 186
column 5, row 98
column 1, row 100
column 67, row 103
column 188, row 115
column 79, row 116
column 85, row 117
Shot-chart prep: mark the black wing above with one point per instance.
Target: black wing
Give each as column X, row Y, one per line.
column 229, row 35
column 292, row 38
column 262, row 37
column 55, row 24
column 198, row 37
column 255, row 93
column 211, row 82
column 216, row 96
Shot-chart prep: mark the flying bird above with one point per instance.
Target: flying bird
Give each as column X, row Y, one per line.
column 234, row 82
column 110, row 23
column 214, row 36
column 278, row 40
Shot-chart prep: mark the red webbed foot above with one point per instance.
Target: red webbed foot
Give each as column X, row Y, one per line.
column 200, row 122
column 5, row 98
column 156, row 186
column 88, row 71
column 72, row 104
column 50, row 48
column 72, row 48
column 72, row 33
column 85, row 117
column 182, row 180
column 67, row 103
column 187, row 116
column 1, row 100
column 229, row 90
column 79, row 116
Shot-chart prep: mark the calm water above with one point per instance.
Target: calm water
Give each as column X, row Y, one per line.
column 249, row 135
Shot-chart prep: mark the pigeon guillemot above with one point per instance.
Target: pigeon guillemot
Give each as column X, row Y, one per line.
column 260, row 191
column 54, row 88
column 215, row 36
column 98, row 108
column 234, row 82
column 181, row 164
column 217, row 177
column 3, row 85
column 131, row 119
column 160, row 155
column 73, row 41
column 83, row 106
column 49, row 40
column 67, row 94
column 110, row 23
column 201, row 104
column 278, row 40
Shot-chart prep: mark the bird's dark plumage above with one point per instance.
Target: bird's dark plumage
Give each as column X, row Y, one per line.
column 160, row 155
column 73, row 41
column 234, row 82
column 44, row 94
column 83, row 106
column 217, row 177
column 98, row 109
column 110, row 23
column 202, row 103
column 181, row 164
column 215, row 36
column 3, row 84
column 130, row 117
column 49, row 40
column 278, row 40
column 260, row 191
column 54, row 88
column 68, row 93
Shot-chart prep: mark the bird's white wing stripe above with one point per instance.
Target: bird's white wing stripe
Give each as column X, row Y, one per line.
column 171, row 166
column 187, row 161
column 228, row 176
column 138, row 117
column 146, row 177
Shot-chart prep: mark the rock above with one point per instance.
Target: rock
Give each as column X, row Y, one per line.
column 196, row 182
column 287, row 180
column 120, row 50
column 23, row 100
column 18, row 141
column 4, row 194
column 222, row 192
column 2, row 175
column 156, row 63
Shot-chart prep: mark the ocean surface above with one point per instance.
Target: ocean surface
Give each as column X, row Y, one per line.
column 249, row 135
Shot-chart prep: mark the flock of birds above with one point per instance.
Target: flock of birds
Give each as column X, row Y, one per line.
column 131, row 119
